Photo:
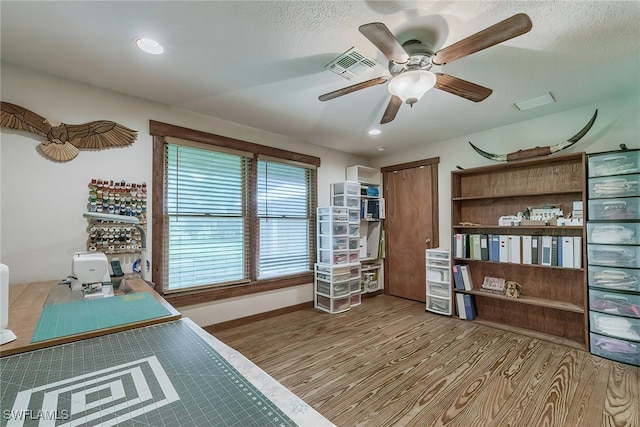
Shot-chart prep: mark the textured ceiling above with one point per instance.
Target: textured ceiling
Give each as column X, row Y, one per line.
column 261, row 63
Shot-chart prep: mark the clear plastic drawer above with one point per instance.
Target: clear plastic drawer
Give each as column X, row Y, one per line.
column 333, row 305
column 348, row 201
column 614, row 256
column 330, row 256
column 438, row 289
column 348, row 187
column 439, row 305
column 354, row 285
column 608, row 164
column 614, row 326
column 615, row 303
column 615, row 279
column 615, row 186
column 615, row 209
column 613, row 233
column 356, row 299
column 615, row 349
column 331, row 228
column 332, row 213
column 332, row 289
column 337, row 243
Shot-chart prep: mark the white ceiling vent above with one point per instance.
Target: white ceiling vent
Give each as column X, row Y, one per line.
column 350, row 64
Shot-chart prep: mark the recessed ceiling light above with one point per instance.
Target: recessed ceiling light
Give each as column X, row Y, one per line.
column 538, row 101
column 149, row 46
column 375, row 132
column 381, row 148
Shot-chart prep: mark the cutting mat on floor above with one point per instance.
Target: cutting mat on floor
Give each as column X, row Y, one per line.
column 160, row 375
column 76, row 317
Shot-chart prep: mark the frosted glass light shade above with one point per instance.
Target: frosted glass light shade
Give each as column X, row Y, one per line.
column 410, row 86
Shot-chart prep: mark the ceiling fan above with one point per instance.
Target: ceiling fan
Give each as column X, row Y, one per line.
column 410, row 64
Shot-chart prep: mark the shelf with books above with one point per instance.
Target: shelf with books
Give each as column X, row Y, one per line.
column 547, row 261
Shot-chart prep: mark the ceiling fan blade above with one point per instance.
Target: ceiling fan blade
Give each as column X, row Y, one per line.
column 385, row 41
column 353, row 88
column 462, row 88
column 392, row 109
column 502, row 31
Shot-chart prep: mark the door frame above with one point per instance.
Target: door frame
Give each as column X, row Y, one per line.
column 435, row 223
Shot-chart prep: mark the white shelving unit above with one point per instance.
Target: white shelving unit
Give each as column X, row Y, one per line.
column 371, row 216
column 438, row 286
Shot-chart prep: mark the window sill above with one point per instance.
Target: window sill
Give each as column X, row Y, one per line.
column 182, row 299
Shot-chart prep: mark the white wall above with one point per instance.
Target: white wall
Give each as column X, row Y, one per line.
column 41, row 202
column 618, row 122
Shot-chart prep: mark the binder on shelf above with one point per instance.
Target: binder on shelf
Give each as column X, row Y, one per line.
column 514, row 249
column 458, row 281
column 546, row 251
column 484, row 247
column 494, row 247
column 577, row 252
column 504, row 248
column 462, row 312
column 567, row 251
column 535, row 251
column 381, row 209
column 554, row 250
column 475, row 246
column 466, row 277
column 527, row 250
column 469, row 306
column 457, row 245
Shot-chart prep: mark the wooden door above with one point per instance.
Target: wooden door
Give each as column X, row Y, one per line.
column 411, row 201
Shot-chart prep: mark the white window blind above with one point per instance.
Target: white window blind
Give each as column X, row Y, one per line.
column 205, row 242
column 283, row 197
column 212, row 221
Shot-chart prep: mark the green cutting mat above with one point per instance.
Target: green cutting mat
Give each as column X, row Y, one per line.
column 76, row 317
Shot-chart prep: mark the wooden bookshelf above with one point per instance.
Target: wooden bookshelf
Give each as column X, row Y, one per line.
column 553, row 302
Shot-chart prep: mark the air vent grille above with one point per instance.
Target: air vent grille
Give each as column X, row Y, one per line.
column 350, row 64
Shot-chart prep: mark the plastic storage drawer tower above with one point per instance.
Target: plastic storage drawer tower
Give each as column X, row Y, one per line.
column 613, row 237
column 337, row 272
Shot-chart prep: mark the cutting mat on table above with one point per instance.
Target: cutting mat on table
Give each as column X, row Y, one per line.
column 76, row 317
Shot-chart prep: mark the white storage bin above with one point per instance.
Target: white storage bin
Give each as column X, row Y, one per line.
column 615, row 349
column 615, row 186
column 614, row 326
column 333, row 305
column 438, row 289
column 348, row 201
column 354, row 216
column 354, row 271
column 354, row 230
column 332, row 213
column 614, row 256
column 330, row 256
column 439, row 305
column 336, row 289
column 615, row 279
column 614, row 209
column 617, row 163
column 348, row 187
column 613, row 233
column 331, row 228
column 337, row 243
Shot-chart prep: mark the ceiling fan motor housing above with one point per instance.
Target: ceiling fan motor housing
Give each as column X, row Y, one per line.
column 419, row 58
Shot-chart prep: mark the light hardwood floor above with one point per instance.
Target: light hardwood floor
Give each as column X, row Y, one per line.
column 388, row 362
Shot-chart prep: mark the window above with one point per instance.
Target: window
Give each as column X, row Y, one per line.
column 233, row 213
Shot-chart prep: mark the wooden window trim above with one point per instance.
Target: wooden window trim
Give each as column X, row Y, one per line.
column 160, row 131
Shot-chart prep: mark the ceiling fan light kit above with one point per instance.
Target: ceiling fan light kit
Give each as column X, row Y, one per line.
column 410, row 64
column 411, row 85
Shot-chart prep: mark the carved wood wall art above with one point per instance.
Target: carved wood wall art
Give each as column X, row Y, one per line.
column 538, row 151
column 65, row 141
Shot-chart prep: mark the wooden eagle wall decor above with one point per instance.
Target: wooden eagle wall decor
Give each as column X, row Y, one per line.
column 65, row 141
